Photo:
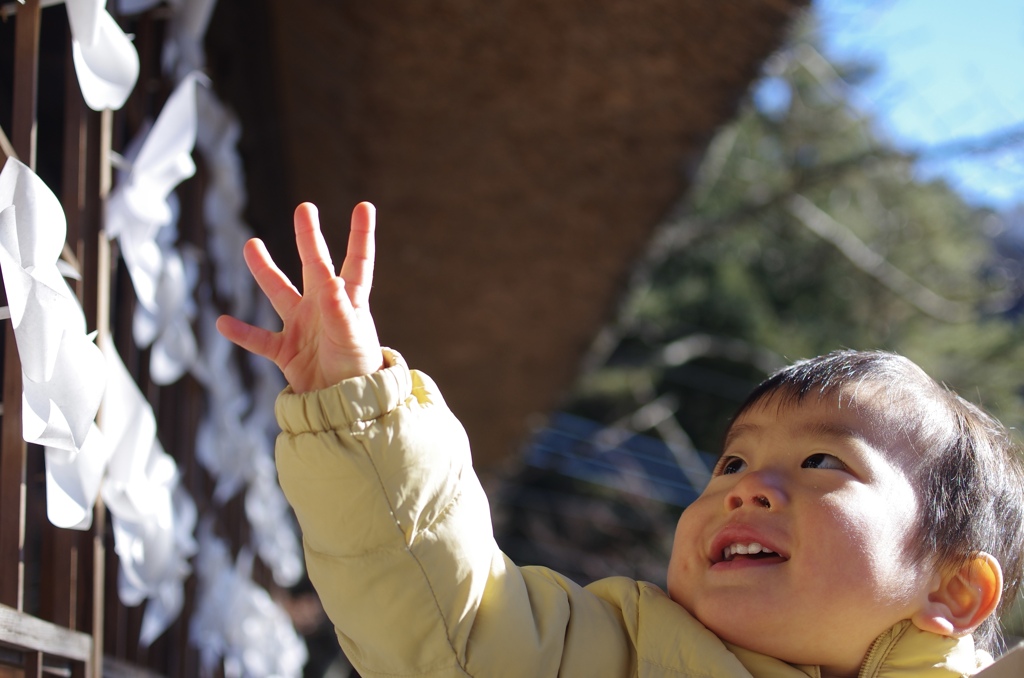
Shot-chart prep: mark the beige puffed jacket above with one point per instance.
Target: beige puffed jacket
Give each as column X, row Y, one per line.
column 398, row 542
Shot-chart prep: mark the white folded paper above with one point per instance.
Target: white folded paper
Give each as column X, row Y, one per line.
column 153, row 517
column 73, row 481
column 105, row 59
column 183, row 46
column 62, row 369
column 236, row 623
column 141, row 214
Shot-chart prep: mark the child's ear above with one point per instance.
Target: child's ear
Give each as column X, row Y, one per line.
column 961, row 600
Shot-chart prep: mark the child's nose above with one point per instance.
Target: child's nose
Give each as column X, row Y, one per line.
column 757, row 490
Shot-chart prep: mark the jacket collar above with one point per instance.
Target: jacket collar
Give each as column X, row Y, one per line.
column 905, row 651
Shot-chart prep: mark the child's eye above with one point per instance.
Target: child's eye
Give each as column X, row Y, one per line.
column 823, row 460
column 728, row 465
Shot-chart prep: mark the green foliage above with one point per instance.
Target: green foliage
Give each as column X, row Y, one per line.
column 805, row 233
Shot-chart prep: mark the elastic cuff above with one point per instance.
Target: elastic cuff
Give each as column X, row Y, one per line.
column 359, row 399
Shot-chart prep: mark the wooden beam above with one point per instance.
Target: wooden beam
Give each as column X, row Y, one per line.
column 63, row 550
column 26, row 81
column 12, row 444
column 25, row 632
column 104, row 268
column 12, row 480
column 73, row 180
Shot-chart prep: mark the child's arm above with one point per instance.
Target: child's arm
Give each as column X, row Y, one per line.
column 396, row 527
column 328, row 333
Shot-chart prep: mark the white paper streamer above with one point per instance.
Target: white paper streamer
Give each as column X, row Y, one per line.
column 139, row 207
column 64, row 375
column 141, row 214
column 235, row 444
column 140, row 6
column 236, row 414
column 153, row 551
column 236, row 622
column 168, row 331
column 153, row 517
column 224, row 203
column 130, row 427
column 62, row 370
column 73, row 481
column 275, row 534
column 224, row 446
column 183, row 46
column 105, row 59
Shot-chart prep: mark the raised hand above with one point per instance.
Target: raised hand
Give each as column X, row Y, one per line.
column 328, row 333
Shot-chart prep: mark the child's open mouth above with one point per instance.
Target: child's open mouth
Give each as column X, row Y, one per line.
column 749, row 553
column 753, row 550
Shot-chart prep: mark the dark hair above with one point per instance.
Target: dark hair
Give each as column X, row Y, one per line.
column 972, row 482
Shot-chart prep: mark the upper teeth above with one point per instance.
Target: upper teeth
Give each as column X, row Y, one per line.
column 744, row 549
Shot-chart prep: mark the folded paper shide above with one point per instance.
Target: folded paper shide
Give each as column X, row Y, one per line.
column 62, row 369
column 142, row 215
column 105, row 59
column 81, row 404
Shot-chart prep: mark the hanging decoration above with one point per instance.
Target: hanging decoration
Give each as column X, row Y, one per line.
column 153, row 516
column 263, row 643
column 105, row 59
column 62, row 369
column 141, row 214
column 69, row 381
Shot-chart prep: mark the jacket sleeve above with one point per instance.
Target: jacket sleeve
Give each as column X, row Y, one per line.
column 398, row 542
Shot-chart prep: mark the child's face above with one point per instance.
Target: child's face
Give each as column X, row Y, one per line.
column 827, row 491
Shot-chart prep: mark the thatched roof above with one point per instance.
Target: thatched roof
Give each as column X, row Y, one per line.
column 519, row 153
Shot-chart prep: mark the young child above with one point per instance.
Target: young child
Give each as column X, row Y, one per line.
column 862, row 519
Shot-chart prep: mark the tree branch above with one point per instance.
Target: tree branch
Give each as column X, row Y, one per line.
column 875, row 265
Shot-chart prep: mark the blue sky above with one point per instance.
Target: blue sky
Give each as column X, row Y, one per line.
column 948, row 70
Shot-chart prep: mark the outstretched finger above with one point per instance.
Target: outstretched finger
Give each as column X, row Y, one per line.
column 357, row 270
column 279, row 290
column 253, row 339
column 313, row 252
